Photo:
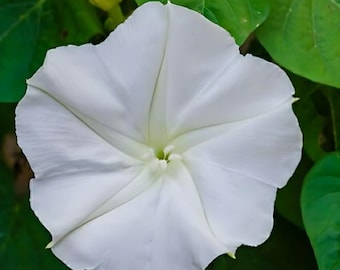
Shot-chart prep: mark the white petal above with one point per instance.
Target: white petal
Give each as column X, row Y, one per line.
column 163, row 228
column 267, row 147
column 113, row 82
column 65, row 202
column 247, row 87
column 239, row 208
column 56, row 142
column 205, row 81
column 77, row 172
column 196, row 51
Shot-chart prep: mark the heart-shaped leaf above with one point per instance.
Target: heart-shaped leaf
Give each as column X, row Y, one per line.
column 320, row 202
column 304, row 37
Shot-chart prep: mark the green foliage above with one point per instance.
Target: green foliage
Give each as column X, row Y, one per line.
column 22, row 238
column 304, row 37
column 334, row 102
column 320, row 207
column 29, row 28
column 239, row 17
column 311, row 124
column 18, row 29
column 311, row 121
column 6, row 119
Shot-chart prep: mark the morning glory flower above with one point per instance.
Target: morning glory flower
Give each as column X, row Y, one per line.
column 160, row 148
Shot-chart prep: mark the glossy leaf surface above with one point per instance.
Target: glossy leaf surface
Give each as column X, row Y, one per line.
column 304, row 37
column 320, row 208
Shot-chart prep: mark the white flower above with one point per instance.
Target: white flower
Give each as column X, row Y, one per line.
column 160, row 148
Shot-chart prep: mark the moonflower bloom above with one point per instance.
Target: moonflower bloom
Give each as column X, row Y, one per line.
column 158, row 149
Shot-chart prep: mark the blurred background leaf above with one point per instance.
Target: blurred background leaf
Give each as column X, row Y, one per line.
column 29, row 28
column 334, row 102
column 113, row 10
column 18, row 31
column 311, row 121
column 320, row 203
column 23, row 239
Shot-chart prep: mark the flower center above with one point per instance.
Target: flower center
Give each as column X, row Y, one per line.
column 160, row 159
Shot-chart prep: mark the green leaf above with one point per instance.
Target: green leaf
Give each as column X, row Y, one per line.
column 22, row 237
column 18, row 30
column 65, row 22
column 26, row 239
column 29, row 28
column 334, row 102
column 311, row 124
column 304, row 37
column 312, row 112
column 114, row 12
column 320, row 203
column 239, row 17
column 7, row 115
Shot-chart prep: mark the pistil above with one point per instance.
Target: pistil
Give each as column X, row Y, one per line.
column 161, row 160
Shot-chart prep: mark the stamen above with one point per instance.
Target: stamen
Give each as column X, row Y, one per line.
column 161, row 161
column 168, row 149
